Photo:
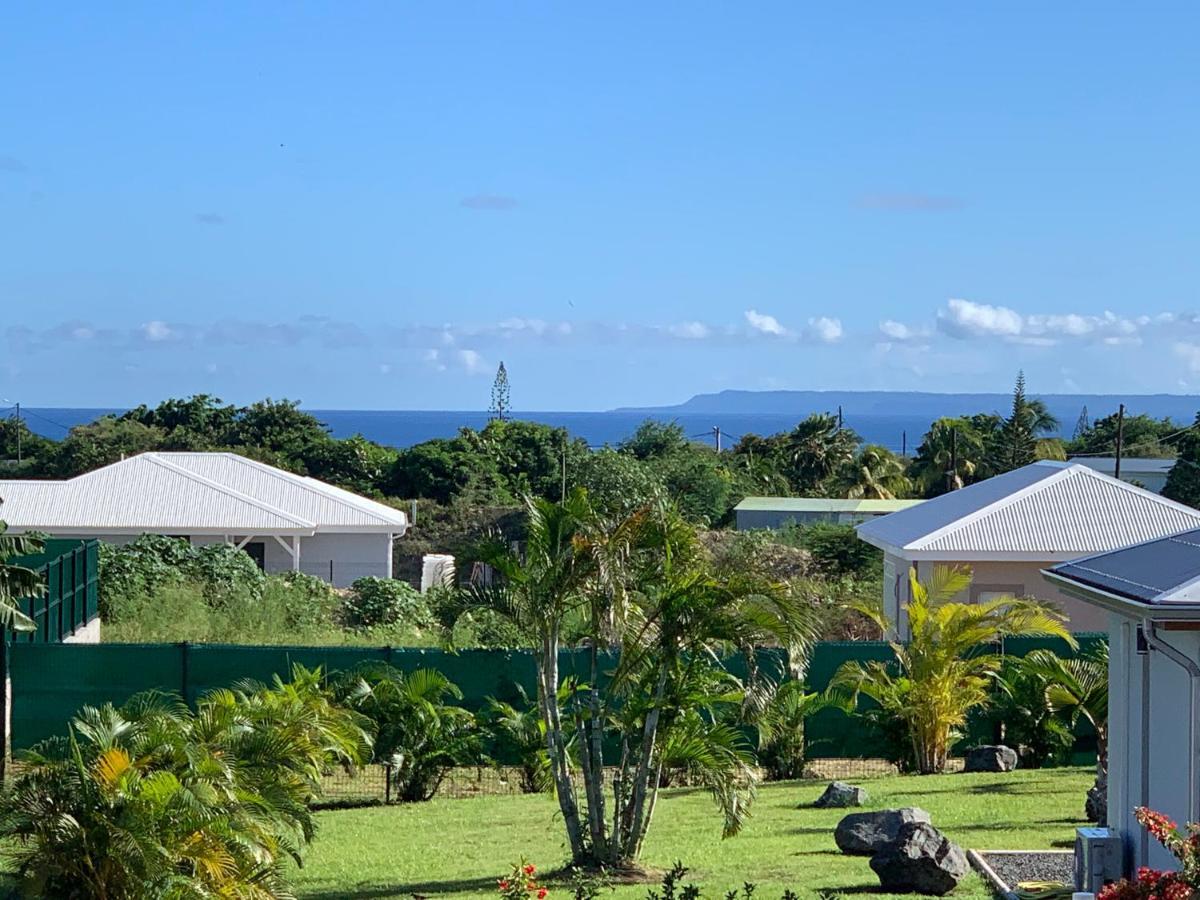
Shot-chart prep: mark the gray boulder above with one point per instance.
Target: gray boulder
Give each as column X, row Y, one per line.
column 839, row 795
column 1096, row 806
column 866, row 833
column 921, row 859
column 990, row 758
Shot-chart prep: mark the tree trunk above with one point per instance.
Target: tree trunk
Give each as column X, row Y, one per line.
column 556, row 747
column 593, row 772
column 641, row 778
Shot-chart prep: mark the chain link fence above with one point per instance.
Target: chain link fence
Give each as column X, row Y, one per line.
column 372, row 785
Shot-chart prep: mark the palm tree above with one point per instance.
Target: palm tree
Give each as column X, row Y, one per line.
column 16, row 581
column 941, row 675
column 1078, row 689
column 875, row 473
column 419, row 733
column 815, row 449
column 540, row 592
column 153, row 800
column 951, row 455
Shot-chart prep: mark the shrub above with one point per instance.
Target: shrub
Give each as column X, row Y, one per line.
column 153, row 800
column 306, row 601
column 151, row 562
column 385, row 601
column 1155, row 884
column 519, row 732
column 836, row 549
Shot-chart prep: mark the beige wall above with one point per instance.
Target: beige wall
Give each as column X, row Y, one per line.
column 1024, row 579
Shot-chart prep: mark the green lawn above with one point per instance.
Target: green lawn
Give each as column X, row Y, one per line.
column 457, row 848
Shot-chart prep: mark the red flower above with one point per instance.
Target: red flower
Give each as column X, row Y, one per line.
column 529, row 870
column 504, row 884
column 542, row 894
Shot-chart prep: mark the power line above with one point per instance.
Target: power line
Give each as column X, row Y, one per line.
column 28, row 412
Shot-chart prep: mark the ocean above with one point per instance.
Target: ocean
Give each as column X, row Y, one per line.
column 403, row 428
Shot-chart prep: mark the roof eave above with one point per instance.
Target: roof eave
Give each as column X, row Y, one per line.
column 1132, row 609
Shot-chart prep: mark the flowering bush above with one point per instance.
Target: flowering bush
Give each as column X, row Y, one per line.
column 521, row 883
column 1155, row 884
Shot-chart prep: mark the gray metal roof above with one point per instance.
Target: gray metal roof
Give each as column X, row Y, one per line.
column 189, row 493
column 1165, row 571
column 1047, row 510
column 1131, row 466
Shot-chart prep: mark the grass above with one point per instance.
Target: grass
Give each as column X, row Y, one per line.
column 457, row 848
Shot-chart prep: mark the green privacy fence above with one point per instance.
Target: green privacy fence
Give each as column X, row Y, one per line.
column 51, row 681
column 70, row 571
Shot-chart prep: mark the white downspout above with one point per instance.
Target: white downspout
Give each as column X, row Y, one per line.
column 1193, row 670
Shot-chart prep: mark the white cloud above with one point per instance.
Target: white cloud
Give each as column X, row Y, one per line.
column 825, row 329
column 963, row 318
column 471, row 361
column 764, row 324
column 1189, row 353
column 690, row 331
column 157, row 331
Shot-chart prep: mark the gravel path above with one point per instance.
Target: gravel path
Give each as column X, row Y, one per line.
column 1032, row 866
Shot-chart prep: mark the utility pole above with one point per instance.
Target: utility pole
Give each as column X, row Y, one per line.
column 1120, row 439
column 18, row 434
column 952, row 473
column 564, row 470
column 839, row 416
column 904, row 443
column 717, row 436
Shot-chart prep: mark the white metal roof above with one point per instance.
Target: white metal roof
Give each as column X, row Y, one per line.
column 1043, row 512
column 189, row 493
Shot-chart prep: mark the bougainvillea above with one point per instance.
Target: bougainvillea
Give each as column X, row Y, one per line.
column 1157, row 884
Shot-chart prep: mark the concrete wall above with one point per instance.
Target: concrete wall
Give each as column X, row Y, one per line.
column 1161, row 737
column 1022, row 579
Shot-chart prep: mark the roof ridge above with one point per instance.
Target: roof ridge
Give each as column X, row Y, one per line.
column 1065, row 472
column 310, row 484
column 999, row 503
column 159, row 460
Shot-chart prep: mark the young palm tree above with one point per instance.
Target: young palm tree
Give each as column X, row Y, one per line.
column 943, row 673
column 540, row 591
column 419, row 731
column 17, row 582
column 875, row 473
column 815, row 449
column 1078, row 688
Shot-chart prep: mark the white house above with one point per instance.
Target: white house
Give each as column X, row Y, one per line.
column 284, row 521
column 776, row 512
column 1150, row 596
column 1008, row 528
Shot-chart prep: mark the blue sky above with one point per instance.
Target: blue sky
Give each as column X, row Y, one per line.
column 370, row 205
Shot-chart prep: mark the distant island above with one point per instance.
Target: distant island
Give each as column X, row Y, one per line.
column 921, row 404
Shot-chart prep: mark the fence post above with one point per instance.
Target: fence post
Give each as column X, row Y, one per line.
column 184, row 655
column 331, row 571
column 387, row 783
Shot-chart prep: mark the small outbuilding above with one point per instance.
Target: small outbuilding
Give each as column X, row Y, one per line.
column 1008, row 528
column 286, row 522
column 777, row 512
column 1148, row 473
column 1149, row 595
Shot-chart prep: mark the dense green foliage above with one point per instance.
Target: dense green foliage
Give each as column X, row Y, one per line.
column 17, row 581
column 420, row 733
column 154, row 800
column 158, row 588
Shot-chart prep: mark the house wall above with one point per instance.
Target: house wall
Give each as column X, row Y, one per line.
column 748, row 519
column 1023, row 579
column 1139, row 731
column 353, row 555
